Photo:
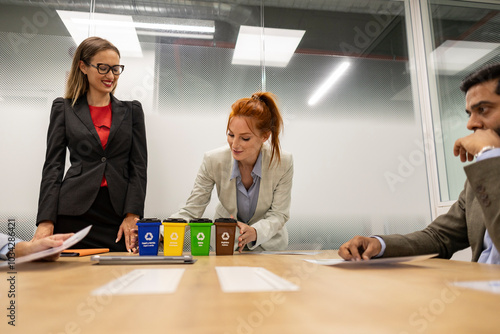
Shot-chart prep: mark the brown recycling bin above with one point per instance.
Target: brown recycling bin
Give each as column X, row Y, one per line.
column 225, row 230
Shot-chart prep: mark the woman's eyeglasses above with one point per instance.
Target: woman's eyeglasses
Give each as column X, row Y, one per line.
column 105, row 68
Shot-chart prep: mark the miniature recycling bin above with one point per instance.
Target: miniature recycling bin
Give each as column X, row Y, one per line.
column 200, row 236
column 225, row 230
column 149, row 233
column 173, row 236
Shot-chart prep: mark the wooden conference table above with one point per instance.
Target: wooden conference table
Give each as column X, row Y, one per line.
column 414, row 297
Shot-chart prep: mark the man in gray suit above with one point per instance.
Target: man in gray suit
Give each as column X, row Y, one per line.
column 474, row 219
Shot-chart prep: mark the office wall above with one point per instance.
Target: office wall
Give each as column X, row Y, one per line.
column 359, row 153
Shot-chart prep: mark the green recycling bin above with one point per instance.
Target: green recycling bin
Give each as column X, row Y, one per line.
column 200, row 236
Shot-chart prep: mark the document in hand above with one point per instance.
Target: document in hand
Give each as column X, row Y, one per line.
column 51, row 251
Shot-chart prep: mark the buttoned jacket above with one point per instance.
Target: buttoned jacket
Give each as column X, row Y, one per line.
column 123, row 162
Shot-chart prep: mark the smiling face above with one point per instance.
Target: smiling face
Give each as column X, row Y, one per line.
column 483, row 106
column 101, row 84
column 245, row 144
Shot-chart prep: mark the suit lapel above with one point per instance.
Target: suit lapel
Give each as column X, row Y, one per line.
column 118, row 110
column 81, row 110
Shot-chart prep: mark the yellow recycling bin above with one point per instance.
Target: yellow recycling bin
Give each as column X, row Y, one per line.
column 173, row 236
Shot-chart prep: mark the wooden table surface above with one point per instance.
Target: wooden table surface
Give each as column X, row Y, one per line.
column 416, row 297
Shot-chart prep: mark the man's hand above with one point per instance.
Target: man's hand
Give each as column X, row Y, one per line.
column 467, row 147
column 360, row 248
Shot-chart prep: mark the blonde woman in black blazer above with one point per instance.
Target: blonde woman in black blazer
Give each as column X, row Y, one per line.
column 105, row 185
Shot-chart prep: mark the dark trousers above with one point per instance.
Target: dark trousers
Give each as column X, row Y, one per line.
column 105, row 224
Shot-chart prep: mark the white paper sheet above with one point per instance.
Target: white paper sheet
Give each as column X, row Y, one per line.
column 488, row 286
column 388, row 260
column 251, row 279
column 143, row 282
column 289, row 252
column 48, row 252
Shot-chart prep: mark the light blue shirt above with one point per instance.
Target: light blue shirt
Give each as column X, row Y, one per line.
column 247, row 199
column 5, row 249
column 490, row 252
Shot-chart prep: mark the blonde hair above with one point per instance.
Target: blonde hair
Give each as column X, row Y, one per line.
column 78, row 83
column 262, row 109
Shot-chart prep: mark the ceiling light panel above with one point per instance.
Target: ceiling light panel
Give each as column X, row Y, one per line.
column 118, row 29
column 269, row 46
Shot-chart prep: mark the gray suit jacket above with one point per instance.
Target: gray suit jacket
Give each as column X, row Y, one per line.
column 273, row 206
column 465, row 224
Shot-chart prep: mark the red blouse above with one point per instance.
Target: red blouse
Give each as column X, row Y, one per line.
column 101, row 117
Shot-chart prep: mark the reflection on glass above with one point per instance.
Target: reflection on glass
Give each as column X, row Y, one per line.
column 268, row 46
column 465, row 36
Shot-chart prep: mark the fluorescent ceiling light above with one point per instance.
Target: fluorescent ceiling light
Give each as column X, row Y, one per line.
column 179, row 28
column 145, row 25
column 336, row 74
column 270, row 46
column 201, row 29
column 122, row 31
column 122, row 36
column 452, row 57
column 173, row 34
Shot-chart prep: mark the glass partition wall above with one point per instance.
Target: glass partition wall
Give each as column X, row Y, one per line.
column 462, row 37
column 343, row 72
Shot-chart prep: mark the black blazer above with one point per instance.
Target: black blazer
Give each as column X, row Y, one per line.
column 124, row 161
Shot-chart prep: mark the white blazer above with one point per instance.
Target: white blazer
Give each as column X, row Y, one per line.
column 273, row 205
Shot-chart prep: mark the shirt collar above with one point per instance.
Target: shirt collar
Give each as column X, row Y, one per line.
column 256, row 171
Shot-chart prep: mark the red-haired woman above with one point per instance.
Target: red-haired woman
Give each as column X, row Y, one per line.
column 252, row 175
